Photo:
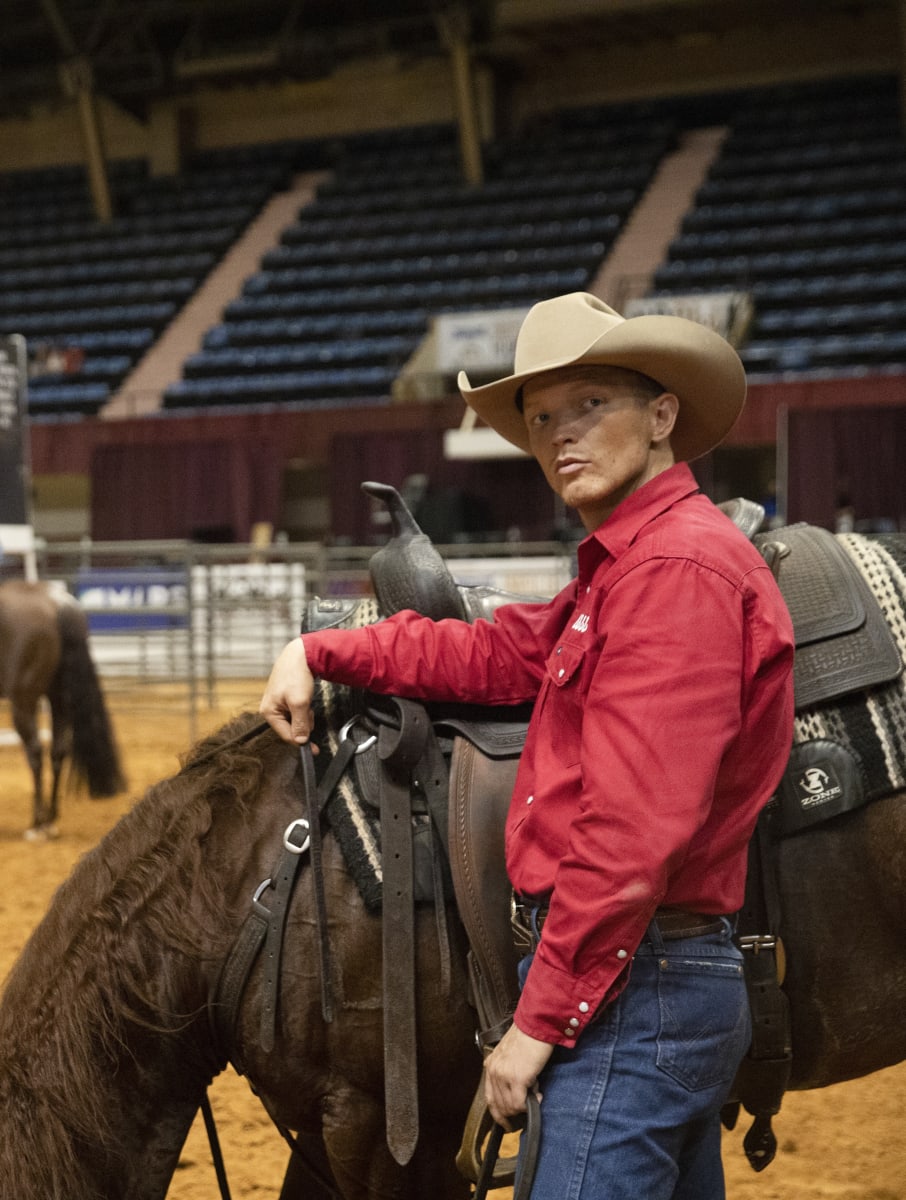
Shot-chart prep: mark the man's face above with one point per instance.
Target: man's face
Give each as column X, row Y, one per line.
column 595, row 439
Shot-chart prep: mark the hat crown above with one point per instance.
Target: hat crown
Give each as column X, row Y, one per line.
column 560, row 329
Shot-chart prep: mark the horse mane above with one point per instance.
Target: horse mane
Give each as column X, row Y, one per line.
column 106, row 957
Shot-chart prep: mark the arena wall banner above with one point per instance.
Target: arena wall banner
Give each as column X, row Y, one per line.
column 481, row 343
column 121, row 599
column 729, row 313
column 16, row 534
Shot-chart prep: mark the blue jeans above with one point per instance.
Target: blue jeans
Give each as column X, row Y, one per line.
column 632, row 1112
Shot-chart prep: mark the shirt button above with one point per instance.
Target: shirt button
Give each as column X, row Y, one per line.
column 529, row 799
column 583, row 1007
column 588, row 589
column 561, row 673
column 622, row 954
column 559, row 649
column 570, row 1033
column 574, row 1021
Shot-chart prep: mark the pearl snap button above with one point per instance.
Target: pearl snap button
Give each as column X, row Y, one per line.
column 583, row 1007
column 530, row 799
column 622, row 954
column 574, row 1021
column 560, row 673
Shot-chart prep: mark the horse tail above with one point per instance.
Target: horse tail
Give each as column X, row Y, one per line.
column 94, row 754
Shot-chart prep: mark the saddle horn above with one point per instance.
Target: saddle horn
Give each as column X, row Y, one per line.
column 408, row 572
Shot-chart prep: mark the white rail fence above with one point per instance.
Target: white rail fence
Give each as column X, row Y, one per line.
column 208, row 621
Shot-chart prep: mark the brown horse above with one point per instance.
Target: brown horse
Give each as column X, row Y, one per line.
column 105, row 1046
column 44, row 651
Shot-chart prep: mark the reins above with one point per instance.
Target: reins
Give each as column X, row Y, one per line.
column 531, row 1140
column 214, row 1143
column 264, row 926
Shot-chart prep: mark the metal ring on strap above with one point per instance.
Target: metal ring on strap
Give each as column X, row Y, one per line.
column 363, row 746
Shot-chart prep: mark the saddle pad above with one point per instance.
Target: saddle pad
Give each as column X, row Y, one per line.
column 868, row 727
column 843, row 642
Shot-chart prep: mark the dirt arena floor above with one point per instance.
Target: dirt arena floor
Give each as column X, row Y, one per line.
column 841, row 1143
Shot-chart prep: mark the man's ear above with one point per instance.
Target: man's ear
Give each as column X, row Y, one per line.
column 664, row 411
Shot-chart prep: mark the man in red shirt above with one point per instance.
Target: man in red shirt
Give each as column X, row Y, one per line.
column 662, row 687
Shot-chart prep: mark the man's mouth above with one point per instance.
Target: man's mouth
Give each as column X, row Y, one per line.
column 568, row 466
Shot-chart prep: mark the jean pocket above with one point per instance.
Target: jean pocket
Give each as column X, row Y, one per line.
column 704, row 1020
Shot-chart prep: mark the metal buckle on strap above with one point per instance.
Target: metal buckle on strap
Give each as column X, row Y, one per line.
column 290, row 844
column 525, row 931
column 756, row 942
column 361, row 746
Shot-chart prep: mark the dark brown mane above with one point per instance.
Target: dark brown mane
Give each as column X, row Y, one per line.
column 103, row 960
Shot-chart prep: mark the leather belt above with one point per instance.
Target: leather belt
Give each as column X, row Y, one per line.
column 673, row 923
column 676, row 923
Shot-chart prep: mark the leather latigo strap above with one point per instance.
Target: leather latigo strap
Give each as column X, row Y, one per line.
column 400, row 750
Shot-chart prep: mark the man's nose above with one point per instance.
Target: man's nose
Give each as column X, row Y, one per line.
column 564, row 428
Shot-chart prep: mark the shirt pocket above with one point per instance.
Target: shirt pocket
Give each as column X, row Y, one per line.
column 564, row 707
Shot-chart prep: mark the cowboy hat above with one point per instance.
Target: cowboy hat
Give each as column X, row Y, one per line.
column 685, row 358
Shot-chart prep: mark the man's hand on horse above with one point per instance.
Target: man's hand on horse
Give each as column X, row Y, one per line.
column 511, row 1071
column 286, row 703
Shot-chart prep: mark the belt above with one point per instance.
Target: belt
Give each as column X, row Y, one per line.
column 675, row 923
column 672, row 923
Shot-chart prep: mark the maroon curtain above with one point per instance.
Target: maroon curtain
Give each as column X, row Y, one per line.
column 851, row 457
column 482, row 500
column 206, row 491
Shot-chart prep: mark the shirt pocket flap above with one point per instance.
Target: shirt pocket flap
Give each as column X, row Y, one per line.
column 564, row 663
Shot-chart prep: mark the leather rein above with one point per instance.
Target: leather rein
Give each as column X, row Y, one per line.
column 265, row 925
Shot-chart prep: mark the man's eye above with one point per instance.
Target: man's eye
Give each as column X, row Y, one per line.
column 594, row 402
column 540, row 418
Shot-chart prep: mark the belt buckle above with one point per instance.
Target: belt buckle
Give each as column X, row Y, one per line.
column 524, row 940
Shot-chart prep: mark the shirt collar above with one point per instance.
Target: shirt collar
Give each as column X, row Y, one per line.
column 617, row 533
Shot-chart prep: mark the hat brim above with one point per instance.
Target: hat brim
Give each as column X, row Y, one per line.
column 693, row 362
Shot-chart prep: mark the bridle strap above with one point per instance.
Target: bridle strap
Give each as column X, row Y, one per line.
column 267, row 922
column 263, row 924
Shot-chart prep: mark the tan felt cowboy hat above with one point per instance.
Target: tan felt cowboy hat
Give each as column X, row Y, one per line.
column 686, row 358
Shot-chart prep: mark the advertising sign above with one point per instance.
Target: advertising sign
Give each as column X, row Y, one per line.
column 133, row 599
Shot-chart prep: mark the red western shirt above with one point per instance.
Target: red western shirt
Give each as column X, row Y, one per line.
column 662, row 681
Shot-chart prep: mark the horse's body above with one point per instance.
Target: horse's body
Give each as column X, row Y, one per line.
column 843, row 896
column 44, row 652
column 105, row 1046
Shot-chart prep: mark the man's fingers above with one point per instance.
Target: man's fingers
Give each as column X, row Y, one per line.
column 293, row 723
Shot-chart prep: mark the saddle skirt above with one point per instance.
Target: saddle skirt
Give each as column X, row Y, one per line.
column 843, row 641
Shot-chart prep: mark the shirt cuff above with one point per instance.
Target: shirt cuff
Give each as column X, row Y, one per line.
column 557, row 1008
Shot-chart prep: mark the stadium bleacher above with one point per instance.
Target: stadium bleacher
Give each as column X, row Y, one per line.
column 396, row 237
column 806, row 215
column 97, row 294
